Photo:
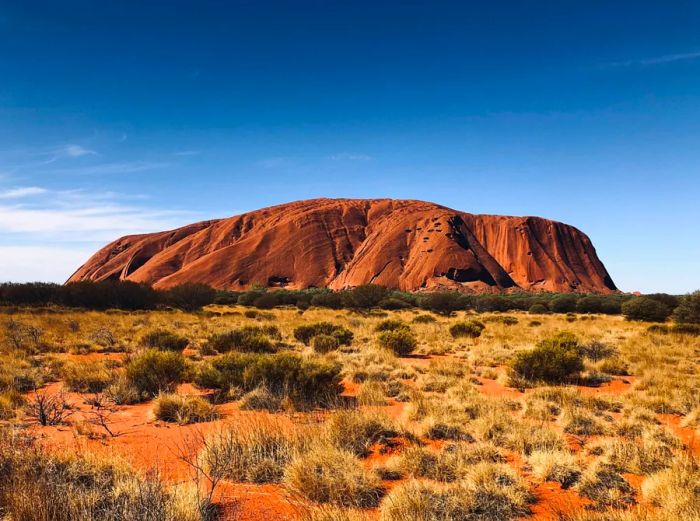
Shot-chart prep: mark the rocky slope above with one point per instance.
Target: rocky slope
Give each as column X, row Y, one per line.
column 339, row 243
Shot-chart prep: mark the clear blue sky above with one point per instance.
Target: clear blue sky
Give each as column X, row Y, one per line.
column 122, row 117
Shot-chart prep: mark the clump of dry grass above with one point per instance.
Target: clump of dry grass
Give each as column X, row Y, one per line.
column 87, row 377
column 329, row 475
column 582, row 423
column 256, row 450
column 260, row 399
column 177, row 408
column 676, row 490
column 650, row 452
column 556, row 465
column 356, row 431
column 489, row 491
column 605, row 486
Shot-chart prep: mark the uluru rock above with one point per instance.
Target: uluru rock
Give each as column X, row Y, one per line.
column 341, row 243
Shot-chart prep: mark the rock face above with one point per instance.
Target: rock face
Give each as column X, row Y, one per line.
column 340, row 243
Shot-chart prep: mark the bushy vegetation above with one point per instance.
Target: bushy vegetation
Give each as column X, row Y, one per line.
column 247, row 339
column 153, row 371
column 171, row 407
column 165, row 340
column 470, row 329
column 688, row 310
column 646, row 309
column 401, row 341
column 307, row 332
column 554, row 360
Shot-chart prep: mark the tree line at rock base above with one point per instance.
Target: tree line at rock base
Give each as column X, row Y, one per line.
column 126, row 295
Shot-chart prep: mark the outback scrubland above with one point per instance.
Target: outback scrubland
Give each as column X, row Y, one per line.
column 349, row 414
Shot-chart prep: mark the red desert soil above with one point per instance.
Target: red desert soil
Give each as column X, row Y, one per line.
column 148, row 444
column 338, row 243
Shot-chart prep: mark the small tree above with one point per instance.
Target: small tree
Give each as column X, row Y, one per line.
column 688, row 310
column 645, row 309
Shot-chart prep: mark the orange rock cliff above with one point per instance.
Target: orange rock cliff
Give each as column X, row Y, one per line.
column 340, row 243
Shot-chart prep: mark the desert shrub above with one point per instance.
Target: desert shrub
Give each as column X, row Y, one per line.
column 605, row 486
column 306, row 333
column 165, row 340
column 614, row 366
column 556, row 465
column 538, row 309
column 254, row 450
column 122, row 391
column 170, row 407
column 86, row 377
column 224, row 372
column 390, row 325
column 393, row 303
column 596, row 350
column 645, row 309
column 331, row 475
column 154, row 371
column 444, row 303
column 189, row 296
column 250, row 339
column 10, row 402
column 490, row 491
column 18, row 374
column 260, row 399
column 356, row 431
column 686, row 329
column 365, row 296
column 328, row 299
column 304, row 381
column 506, row 320
column 401, row 341
column 325, row 343
column 688, row 310
column 580, row 422
column 36, row 485
column 554, row 360
column 471, row 329
column 563, row 304
column 424, row 319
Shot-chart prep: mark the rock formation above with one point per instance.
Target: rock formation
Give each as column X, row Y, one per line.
column 340, row 243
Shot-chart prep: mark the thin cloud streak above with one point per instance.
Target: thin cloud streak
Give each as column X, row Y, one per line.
column 658, row 60
column 18, row 193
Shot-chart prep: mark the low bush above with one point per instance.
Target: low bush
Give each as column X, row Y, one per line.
column 153, row 371
column 688, row 310
column 645, row 309
column 165, row 340
column 306, row 333
column 356, row 431
column 401, row 341
column 554, row 360
column 538, row 309
column 471, row 329
column 86, row 377
column 248, row 339
column 260, row 399
column 170, row 407
column 325, row 343
column 390, row 325
column 336, row 476
column 424, row 319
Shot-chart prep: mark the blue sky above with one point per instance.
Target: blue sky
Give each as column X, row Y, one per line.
column 140, row 116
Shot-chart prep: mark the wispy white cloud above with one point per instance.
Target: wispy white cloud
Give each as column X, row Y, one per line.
column 25, row 191
column 77, row 151
column 186, row 153
column 348, row 156
column 111, row 168
column 658, row 60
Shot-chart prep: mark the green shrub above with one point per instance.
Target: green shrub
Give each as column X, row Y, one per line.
column 154, row 371
column 645, row 309
column 471, row 329
column 538, row 309
column 250, row 339
column 325, row 343
column 304, row 381
column 180, row 409
column 563, row 304
column 305, row 333
column 390, row 325
column 86, row 377
column 554, row 360
column 365, row 296
column 401, row 341
column 424, row 319
column 445, row 302
column 165, row 340
column 688, row 310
